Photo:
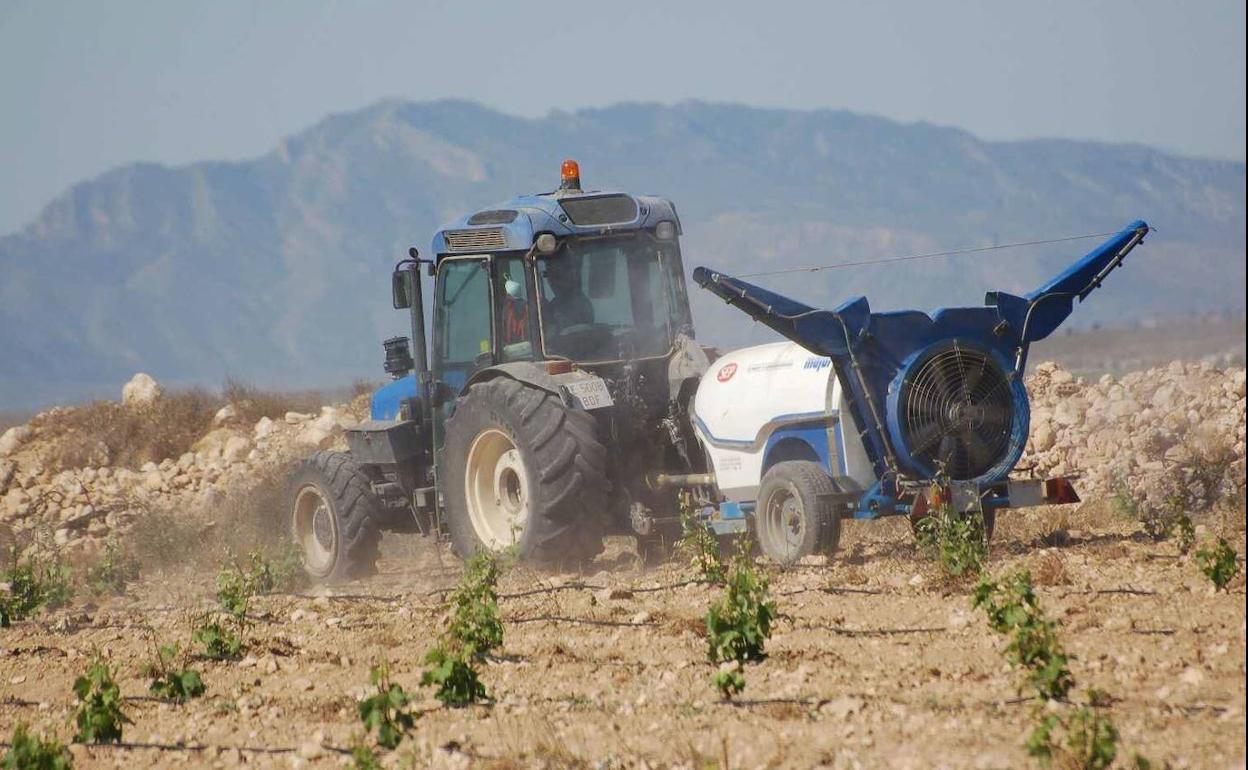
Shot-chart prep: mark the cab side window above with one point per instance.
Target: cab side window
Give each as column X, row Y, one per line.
column 464, row 343
column 511, row 292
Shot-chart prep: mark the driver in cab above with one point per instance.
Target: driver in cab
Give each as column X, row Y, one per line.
column 568, row 306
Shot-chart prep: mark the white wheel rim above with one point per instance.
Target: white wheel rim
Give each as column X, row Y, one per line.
column 315, row 530
column 496, row 489
column 784, row 523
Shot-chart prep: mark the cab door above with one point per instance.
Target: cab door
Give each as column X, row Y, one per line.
column 463, row 326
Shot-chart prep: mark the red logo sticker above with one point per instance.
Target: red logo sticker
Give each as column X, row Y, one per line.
column 726, row 373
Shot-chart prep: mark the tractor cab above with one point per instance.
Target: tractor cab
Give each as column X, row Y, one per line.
column 584, row 277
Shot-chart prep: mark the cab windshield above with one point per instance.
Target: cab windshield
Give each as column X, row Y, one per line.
column 604, row 299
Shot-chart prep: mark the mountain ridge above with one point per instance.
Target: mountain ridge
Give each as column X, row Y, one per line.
column 273, row 269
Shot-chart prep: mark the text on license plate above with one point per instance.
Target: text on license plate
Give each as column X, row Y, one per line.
column 590, row 393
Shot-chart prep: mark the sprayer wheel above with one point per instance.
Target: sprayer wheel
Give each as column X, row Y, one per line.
column 333, row 517
column 524, row 470
column 797, row 512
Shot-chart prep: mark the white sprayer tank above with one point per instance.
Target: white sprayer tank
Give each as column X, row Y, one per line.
column 769, row 403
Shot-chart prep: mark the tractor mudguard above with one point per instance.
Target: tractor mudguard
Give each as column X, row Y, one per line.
column 534, row 373
column 381, row 442
column 388, row 400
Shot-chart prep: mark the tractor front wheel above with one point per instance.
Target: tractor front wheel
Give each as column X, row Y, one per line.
column 333, row 517
column 524, row 470
column 797, row 512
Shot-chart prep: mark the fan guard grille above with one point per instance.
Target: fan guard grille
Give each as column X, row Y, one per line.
column 957, row 412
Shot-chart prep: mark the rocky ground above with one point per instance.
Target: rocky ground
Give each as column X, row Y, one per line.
column 49, row 504
column 877, row 661
column 1159, row 435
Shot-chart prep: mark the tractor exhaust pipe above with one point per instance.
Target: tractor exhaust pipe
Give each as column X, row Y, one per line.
column 420, row 353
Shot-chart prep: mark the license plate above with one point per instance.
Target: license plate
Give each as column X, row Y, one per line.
column 590, row 393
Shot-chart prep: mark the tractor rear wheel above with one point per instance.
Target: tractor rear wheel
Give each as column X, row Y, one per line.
column 524, row 469
column 333, row 517
column 797, row 512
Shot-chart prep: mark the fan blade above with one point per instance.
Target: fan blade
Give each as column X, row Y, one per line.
column 948, row 449
column 973, row 377
column 976, row 450
column 944, row 380
column 925, row 437
column 997, row 415
column 996, row 387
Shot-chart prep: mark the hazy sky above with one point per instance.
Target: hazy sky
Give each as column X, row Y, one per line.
column 86, row 86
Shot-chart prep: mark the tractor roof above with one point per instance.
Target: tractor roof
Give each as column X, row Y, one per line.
column 513, row 225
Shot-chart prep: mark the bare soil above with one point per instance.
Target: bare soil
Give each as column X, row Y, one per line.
column 876, row 663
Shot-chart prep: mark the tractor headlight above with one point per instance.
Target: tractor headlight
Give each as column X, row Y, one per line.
column 547, row 243
column 665, row 230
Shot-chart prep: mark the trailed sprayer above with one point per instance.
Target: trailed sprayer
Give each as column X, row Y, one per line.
column 864, row 414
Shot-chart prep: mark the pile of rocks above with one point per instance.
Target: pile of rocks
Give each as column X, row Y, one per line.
column 78, row 508
column 1175, row 430
column 1146, row 432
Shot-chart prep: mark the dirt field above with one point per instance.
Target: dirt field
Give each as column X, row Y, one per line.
column 876, row 663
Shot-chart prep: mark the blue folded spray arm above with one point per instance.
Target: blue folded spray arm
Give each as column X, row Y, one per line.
column 1014, row 321
column 873, row 353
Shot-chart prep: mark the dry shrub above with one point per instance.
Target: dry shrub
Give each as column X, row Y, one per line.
column 1055, row 525
column 165, row 537
column 1227, row 518
column 125, row 435
column 245, row 519
column 252, row 515
column 1049, row 569
column 1096, row 514
column 10, row 419
column 107, row 433
column 253, row 403
column 531, row 742
column 362, row 387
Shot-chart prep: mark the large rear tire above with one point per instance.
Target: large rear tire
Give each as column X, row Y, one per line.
column 797, row 512
column 333, row 518
column 524, row 470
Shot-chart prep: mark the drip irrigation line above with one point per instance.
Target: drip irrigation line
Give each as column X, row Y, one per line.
column 928, row 255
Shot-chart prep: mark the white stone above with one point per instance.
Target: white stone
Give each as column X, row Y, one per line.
column 13, row 438
column 312, row 435
column 141, row 389
column 1068, row 412
column 225, row 414
column 1043, row 437
column 235, row 449
column 264, row 426
column 1060, row 377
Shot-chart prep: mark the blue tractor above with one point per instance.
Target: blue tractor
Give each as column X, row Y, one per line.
column 557, row 377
